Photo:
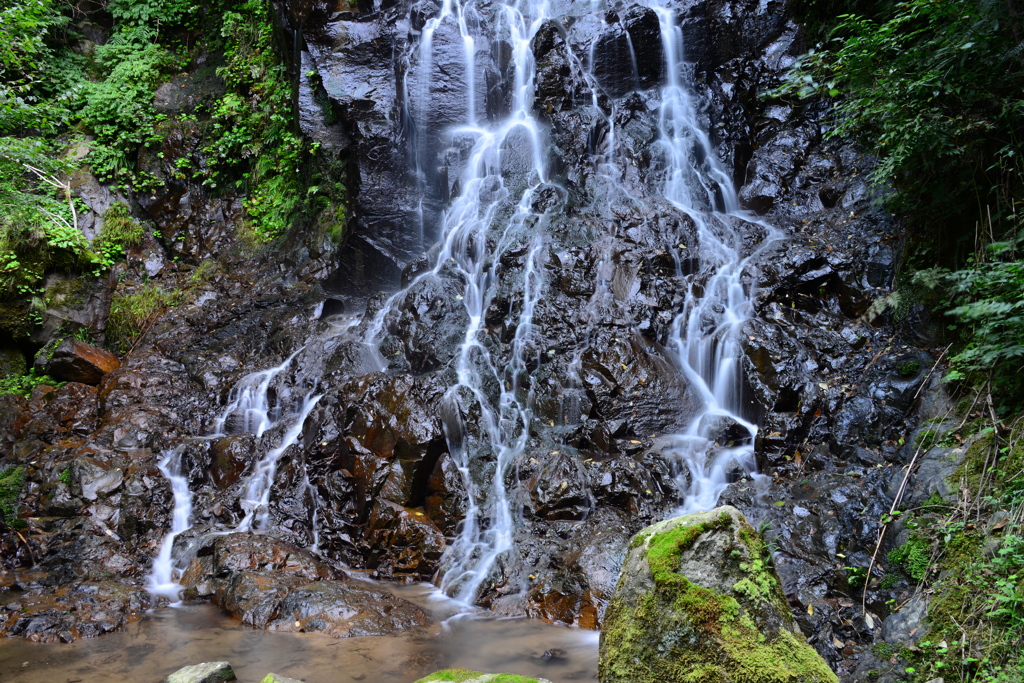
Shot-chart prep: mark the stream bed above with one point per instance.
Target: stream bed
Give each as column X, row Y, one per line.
column 167, row 639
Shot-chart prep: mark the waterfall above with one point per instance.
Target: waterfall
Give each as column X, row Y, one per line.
column 161, row 580
column 502, row 428
column 705, row 333
column 494, row 233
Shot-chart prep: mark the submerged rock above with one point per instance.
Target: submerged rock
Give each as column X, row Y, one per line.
column 207, row 672
column 467, row 676
column 697, row 600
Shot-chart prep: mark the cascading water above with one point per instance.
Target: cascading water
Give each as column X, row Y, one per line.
column 162, row 577
column 502, row 427
column 498, row 209
column 705, row 334
column 253, row 407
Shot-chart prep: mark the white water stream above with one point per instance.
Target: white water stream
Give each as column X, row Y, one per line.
column 704, row 333
column 162, row 580
column 487, row 411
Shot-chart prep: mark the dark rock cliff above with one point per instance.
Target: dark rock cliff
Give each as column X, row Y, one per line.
column 373, row 479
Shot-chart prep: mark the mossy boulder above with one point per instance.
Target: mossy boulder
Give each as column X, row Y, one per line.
column 698, row 602
column 467, row 676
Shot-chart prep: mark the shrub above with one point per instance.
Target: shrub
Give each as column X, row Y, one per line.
column 12, row 479
column 130, row 313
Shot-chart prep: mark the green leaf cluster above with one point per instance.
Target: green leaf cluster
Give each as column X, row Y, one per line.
column 253, row 135
column 935, row 89
column 12, row 479
column 22, row 385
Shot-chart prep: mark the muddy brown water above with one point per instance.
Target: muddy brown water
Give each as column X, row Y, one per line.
column 170, row 638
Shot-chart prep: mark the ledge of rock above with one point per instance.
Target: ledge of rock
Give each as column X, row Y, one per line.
column 75, row 361
column 697, row 600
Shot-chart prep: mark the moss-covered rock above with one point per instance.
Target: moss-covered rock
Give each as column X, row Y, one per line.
column 467, row 676
column 698, row 602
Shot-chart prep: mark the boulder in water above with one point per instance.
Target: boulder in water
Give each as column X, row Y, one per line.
column 697, row 600
column 467, row 676
column 278, row 678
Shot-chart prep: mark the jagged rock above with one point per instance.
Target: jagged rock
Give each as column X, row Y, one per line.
column 908, row 625
column 697, row 598
column 82, row 609
column 207, row 672
column 91, row 478
column 402, row 542
column 75, row 361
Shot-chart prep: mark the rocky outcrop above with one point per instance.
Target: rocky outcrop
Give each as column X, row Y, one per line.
column 72, row 360
column 374, row 479
column 269, row 584
column 698, row 600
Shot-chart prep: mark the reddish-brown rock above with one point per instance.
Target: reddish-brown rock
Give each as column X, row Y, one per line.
column 76, row 361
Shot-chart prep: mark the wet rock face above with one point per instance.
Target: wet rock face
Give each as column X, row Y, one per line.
column 269, row 584
column 376, row 478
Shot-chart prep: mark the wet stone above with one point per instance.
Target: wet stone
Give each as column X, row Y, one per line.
column 75, row 361
column 208, row 672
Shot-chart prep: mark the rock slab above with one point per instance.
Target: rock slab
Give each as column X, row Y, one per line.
column 207, row 672
column 76, row 361
column 697, row 600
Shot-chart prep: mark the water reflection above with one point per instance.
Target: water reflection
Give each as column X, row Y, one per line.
column 168, row 639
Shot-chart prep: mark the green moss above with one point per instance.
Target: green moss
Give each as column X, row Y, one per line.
column 926, row 438
column 66, row 293
column 17, row 318
column 466, row 675
column 915, row 556
column 119, row 228
column 12, row 480
column 679, row 632
column 908, row 369
column 130, row 313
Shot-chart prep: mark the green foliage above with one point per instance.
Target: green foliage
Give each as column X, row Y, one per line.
column 935, row 88
column 118, row 107
column 38, row 227
column 22, row 385
column 253, row 134
column 986, row 299
column 12, row 479
column 915, row 556
column 130, row 313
